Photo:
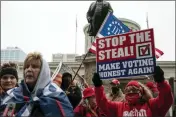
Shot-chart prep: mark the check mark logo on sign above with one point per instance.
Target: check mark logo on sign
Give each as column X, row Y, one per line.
column 144, row 50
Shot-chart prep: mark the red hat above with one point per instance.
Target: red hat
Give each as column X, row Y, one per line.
column 134, row 83
column 88, row 92
column 114, row 81
column 152, row 86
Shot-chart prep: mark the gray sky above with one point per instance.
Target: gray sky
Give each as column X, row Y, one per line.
column 49, row 26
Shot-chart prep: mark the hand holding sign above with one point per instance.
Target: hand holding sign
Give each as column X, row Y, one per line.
column 158, row 74
column 96, row 80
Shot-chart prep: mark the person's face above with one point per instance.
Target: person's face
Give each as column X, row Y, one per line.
column 92, row 101
column 8, row 82
column 31, row 72
column 132, row 90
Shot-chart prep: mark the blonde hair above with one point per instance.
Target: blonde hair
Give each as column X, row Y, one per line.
column 32, row 56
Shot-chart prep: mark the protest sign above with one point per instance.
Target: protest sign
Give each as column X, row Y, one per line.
column 126, row 55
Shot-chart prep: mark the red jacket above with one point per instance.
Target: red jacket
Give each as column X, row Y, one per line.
column 156, row 107
column 82, row 111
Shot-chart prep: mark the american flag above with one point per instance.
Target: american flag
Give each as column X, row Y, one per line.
column 113, row 26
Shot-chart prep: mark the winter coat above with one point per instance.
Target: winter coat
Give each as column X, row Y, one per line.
column 74, row 96
column 46, row 99
column 155, row 107
column 2, row 96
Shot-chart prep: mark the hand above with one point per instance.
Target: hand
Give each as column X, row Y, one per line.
column 96, row 80
column 158, row 74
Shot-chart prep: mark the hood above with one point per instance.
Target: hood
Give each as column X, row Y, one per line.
column 43, row 80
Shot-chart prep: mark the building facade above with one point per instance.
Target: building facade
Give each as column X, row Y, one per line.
column 13, row 54
column 63, row 57
column 134, row 26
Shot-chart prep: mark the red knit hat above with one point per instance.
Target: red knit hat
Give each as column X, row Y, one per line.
column 134, row 83
column 115, row 81
column 152, row 86
column 88, row 92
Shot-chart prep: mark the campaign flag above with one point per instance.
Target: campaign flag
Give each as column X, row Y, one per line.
column 126, row 55
column 113, row 26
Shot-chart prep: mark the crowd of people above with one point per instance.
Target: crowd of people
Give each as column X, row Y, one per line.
column 39, row 96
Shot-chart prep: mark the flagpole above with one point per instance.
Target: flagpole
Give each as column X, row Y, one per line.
column 77, row 70
column 147, row 20
column 148, row 28
column 87, row 52
column 76, row 36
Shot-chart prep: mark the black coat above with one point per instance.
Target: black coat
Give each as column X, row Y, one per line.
column 74, row 95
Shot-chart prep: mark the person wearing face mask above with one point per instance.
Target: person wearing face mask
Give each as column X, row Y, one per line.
column 138, row 99
column 72, row 90
column 116, row 93
column 88, row 107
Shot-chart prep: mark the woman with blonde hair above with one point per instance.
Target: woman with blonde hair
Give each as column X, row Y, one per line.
column 37, row 95
column 139, row 101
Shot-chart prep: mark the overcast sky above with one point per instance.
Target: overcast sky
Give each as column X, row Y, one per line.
column 49, row 26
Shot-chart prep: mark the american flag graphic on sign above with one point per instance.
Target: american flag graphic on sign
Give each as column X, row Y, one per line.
column 113, row 26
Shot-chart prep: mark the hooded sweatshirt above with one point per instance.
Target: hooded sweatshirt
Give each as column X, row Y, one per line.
column 46, row 99
column 156, row 107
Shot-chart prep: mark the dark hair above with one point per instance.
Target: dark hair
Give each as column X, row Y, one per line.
column 66, row 77
column 9, row 68
column 66, row 74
